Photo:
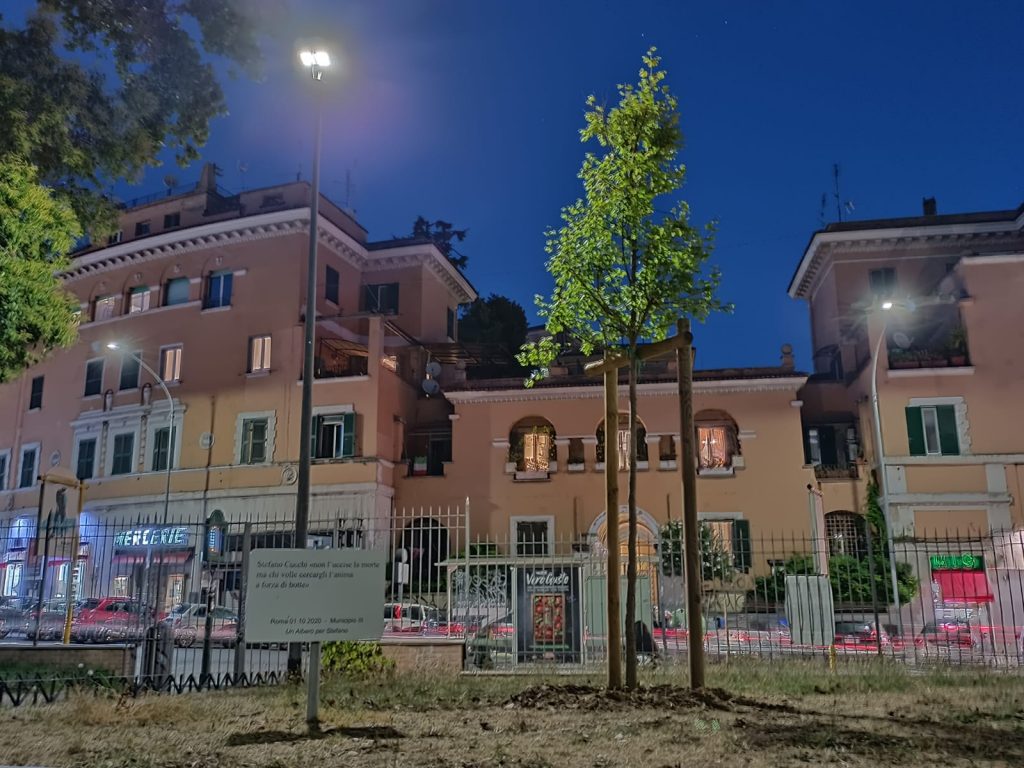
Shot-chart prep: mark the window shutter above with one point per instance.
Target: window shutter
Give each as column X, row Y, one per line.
column 741, row 550
column 915, row 431
column 827, row 442
column 348, row 440
column 314, row 437
column 949, row 442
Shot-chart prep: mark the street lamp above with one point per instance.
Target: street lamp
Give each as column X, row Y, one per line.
column 116, row 347
column 883, row 486
column 317, row 61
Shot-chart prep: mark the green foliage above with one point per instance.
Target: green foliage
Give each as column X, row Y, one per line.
column 716, row 562
column 147, row 83
column 36, row 231
column 444, row 235
column 495, row 320
column 355, row 659
column 624, row 267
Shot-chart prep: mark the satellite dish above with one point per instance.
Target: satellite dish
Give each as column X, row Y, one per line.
column 433, row 369
column 431, row 387
column 902, row 340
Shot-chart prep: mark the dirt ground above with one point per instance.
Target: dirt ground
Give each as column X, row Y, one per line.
column 753, row 716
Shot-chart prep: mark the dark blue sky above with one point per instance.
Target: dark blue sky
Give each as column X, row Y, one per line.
column 470, row 110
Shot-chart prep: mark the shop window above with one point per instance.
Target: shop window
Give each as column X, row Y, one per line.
column 120, row 586
column 622, row 438
column 218, row 290
column 13, row 577
column 176, row 291
column 334, row 435
column 932, row 430
column 532, row 445
column 35, row 400
column 93, row 377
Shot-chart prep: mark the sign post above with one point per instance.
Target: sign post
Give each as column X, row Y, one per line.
column 314, row 596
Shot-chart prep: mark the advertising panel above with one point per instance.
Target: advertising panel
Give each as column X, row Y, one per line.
column 549, row 620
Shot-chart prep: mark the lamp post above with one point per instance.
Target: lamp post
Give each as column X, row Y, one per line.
column 116, row 347
column 883, row 486
column 317, row 61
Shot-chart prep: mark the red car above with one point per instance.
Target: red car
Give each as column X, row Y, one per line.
column 111, row 620
column 950, row 634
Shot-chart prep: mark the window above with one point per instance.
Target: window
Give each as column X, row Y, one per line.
column 172, row 220
column 138, row 299
column 717, row 441
column 576, row 451
column 259, row 354
column 813, row 446
column 36, row 398
column 845, row 533
column 381, row 298
column 532, row 445
column 176, row 291
column 533, row 536
column 115, row 238
column 725, row 545
column 254, row 441
column 124, row 451
column 334, row 435
column 451, row 323
column 932, row 430
column 218, row 290
column 666, row 448
column 27, row 473
column 170, row 363
column 120, row 586
column 883, row 282
column 85, row 464
column 142, row 228
column 4, row 458
column 163, row 448
column 129, row 372
column 622, row 441
column 12, row 578
column 331, row 285
column 104, row 308
column 93, row 377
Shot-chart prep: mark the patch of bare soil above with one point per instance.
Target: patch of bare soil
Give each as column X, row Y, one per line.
column 663, row 697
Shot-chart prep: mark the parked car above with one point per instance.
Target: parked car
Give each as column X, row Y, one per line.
column 13, row 612
column 111, row 620
column 949, row 634
column 859, row 633
column 225, row 635
column 48, row 625
column 188, row 622
column 409, row 617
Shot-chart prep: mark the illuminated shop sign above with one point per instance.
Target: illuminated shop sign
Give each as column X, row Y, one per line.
column 159, row 538
column 962, row 562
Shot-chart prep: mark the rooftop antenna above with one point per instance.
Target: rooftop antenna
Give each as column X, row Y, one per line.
column 298, row 173
column 841, row 205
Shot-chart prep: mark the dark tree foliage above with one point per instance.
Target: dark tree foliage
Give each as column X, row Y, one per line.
column 495, row 320
column 444, row 235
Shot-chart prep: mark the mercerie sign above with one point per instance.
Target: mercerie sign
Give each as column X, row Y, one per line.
column 171, row 537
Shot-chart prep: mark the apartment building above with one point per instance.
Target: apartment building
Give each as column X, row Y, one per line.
column 935, row 299
column 207, row 289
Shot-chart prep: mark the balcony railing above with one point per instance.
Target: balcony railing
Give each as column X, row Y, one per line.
column 924, row 358
column 834, row 472
column 337, row 369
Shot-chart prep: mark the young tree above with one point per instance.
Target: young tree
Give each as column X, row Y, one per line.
column 36, row 231
column 626, row 262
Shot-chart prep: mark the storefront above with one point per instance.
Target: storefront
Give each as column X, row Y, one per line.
column 960, row 588
column 152, row 564
column 14, row 567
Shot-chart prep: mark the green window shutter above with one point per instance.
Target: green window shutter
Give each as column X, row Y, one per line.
column 741, row 554
column 314, row 436
column 348, row 440
column 949, row 442
column 915, row 431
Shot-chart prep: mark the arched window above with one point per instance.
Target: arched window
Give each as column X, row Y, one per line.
column 717, row 440
column 845, row 533
column 532, row 444
column 623, row 441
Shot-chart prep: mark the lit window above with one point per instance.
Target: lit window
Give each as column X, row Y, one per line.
column 532, row 445
column 715, row 446
column 536, row 451
column 104, row 308
column 259, row 354
column 170, row 364
column 139, row 300
column 622, row 442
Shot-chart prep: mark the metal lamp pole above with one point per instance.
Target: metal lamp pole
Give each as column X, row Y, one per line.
column 170, row 455
column 317, row 61
column 883, row 485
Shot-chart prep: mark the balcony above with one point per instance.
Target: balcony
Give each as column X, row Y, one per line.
column 826, row 472
column 931, row 337
column 338, row 358
column 903, row 359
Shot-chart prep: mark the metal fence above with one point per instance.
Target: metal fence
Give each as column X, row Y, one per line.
column 524, row 603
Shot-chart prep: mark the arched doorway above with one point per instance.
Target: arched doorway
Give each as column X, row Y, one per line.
column 647, row 532
column 426, row 541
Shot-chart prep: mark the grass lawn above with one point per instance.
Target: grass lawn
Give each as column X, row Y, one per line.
column 867, row 714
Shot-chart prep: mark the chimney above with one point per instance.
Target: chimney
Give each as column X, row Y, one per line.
column 787, row 363
column 929, row 206
column 208, row 179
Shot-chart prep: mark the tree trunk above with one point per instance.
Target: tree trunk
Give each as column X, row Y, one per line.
column 631, row 661
column 611, row 477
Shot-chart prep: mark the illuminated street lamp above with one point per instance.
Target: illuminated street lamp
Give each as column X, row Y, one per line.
column 883, row 485
column 317, row 61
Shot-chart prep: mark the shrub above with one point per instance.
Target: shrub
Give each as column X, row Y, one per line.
column 355, row 659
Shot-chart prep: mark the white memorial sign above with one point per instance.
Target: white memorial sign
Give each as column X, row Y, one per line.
column 305, row 595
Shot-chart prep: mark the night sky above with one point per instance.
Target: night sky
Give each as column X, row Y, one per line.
column 469, row 110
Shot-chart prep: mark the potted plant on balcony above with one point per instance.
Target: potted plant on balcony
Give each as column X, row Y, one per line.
column 956, row 346
column 902, row 358
column 933, row 358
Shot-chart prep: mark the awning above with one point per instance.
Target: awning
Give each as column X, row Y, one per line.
column 963, row 586
column 167, row 558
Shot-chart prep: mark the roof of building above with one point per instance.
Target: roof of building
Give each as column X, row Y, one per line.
column 904, row 227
